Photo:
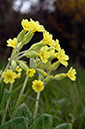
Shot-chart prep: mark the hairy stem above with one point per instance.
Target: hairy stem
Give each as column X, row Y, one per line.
column 36, row 106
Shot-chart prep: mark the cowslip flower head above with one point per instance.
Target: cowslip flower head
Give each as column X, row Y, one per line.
column 44, row 54
column 9, row 76
column 30, row 72
column 37, row 86
column 62, row 57
column 71, row 74
column 47, row 38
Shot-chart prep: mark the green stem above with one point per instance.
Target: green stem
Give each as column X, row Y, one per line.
column 7, row 104
column 20, row 96
column 36, row 106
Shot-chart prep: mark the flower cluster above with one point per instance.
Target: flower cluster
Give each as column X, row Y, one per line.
column 41, row 55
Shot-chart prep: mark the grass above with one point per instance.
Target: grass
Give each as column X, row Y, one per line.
column 62, row 99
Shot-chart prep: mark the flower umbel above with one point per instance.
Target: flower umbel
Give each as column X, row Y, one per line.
column 71, row 74
column 30, row 72
column 9, row 76
column 37, row 86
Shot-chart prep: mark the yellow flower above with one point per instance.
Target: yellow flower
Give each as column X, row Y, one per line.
column 25, row 24
column 30, row 72
column 35, row 26
column 37, row 85
column 12, row 43
column 44, row 54
column 51, row 52
column 9, row 76
column 57, row 45
column 47, row 38
column 32, row 25
column 71, row 74
column 62, row 57
column 18, row 75
column 18, row 69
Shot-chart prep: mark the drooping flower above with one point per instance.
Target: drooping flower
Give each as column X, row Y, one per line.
column 47, row 38
column 18, row 69
column 57, row 45
column 32, row 25
column 25, row 24
column 62, row 57
column 44, row 54
column 71, row 74
column 37, row 86
column 30, row 72
column 35, row 26
column 18, row 75
column 12, row 43
column 9, row 76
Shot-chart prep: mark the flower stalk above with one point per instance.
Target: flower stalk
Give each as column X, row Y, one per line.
column 36, row 106
column 20, row 96
column 7, row 104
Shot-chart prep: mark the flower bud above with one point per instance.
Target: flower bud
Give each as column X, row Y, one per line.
column 59, row 76
column 55, row 65
column 47, row 79
column 41, row 71
column 31, row 54
column 22, row 64
column 21, row 36
column 27, row 37
column 13, row 64
column 37, row 46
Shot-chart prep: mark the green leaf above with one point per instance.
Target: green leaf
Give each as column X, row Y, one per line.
column 16, row 123
column 9, row 95
column 64, row 126
column 43, row 122
column 1, row 90
column 23, row 110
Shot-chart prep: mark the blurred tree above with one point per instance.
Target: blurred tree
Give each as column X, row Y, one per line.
column 69, row 19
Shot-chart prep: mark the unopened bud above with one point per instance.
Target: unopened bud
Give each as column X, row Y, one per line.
column 41, row 71
column 22, row 64
column 37, row 46
column 13, row 64
column 59, row 76
column 31, row 54
column 49, row 78
column 55, row 65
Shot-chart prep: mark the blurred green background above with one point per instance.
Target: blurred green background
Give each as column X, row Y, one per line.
column 65, row 19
